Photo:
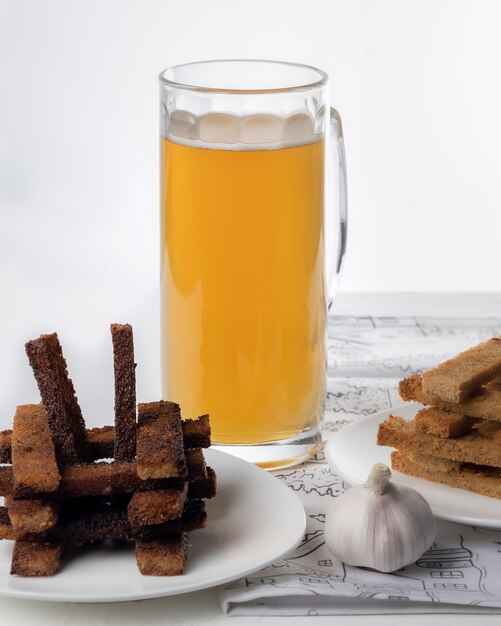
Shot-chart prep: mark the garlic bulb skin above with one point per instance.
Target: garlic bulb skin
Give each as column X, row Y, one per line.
column 379, row 524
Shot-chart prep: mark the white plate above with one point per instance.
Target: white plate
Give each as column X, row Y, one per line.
column 353, row 451
column 252, row 522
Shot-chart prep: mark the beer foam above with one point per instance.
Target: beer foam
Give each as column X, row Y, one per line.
column 222, row 131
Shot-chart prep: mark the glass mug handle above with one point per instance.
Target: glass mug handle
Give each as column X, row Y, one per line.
column 336, row 213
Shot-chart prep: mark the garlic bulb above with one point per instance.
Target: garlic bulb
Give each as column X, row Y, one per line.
column 379, row 524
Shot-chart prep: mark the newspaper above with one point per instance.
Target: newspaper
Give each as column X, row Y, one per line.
column 459, row 573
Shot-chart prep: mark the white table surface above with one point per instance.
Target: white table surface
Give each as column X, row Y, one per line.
column 202, row 607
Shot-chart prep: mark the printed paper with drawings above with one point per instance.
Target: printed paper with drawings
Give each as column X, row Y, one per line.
column 367, row 358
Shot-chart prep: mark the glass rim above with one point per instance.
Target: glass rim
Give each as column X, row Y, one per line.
column 320, row 82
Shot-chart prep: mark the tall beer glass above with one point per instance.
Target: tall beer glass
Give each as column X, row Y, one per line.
column 253, row 226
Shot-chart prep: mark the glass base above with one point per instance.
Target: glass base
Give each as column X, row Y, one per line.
column 273, row 455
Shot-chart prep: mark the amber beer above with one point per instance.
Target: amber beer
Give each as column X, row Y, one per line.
column 243, row 286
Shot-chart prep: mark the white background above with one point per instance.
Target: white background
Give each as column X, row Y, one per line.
column 418, row 86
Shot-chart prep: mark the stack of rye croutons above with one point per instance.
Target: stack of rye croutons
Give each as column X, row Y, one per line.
column 56, row 490
column 456, row 438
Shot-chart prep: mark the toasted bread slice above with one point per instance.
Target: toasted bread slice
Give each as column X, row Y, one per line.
column 107, row 521
column 34, row 464
column 485, row 404
column 125, row 392
column 101, row 440
column 106, row 479
column 58, row 394
column 459, row 377
column 480, row 446
column 162, row 557
column 480, row 479
column 31, row 516
column 156, row 506
column 443, row 423
column 32, row 558
column 160, row 445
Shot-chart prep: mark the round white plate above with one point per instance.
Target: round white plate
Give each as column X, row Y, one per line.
column 353, row 451
column 252, row 522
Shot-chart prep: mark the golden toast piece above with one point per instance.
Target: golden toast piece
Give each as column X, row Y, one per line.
column 485, row 404
column 31, row 516
column 456, row 379
column 156, row 506
column 34, row 558
column 482, row 445
column 443, row 423
column 162, row 557
column 33, row 455
column 480, row 479
column 432, row 462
